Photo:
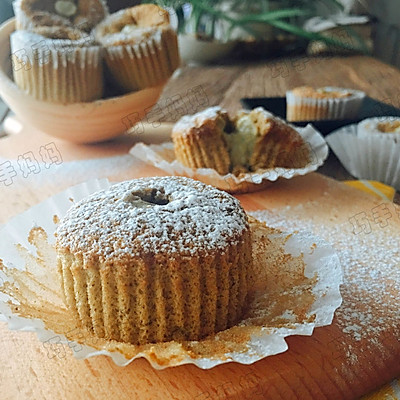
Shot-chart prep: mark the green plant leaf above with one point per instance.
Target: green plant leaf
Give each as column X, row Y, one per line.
column 275, row 18
column 316, row 36
column 272, row 15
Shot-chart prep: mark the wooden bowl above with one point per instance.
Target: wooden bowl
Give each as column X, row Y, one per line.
column 79, row 122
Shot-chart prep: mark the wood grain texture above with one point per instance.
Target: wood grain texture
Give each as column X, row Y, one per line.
column 316, row 367
column 226, row 85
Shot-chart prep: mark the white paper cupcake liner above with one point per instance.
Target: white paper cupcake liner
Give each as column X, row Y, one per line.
column 314, row 267
column 163, row 157
column 145, row 63
column 334, row 108
column 367, row 157
column 370, row 126
column 57, row 70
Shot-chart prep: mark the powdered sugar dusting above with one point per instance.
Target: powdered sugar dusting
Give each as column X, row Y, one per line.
column 36, row 49
column 170, row 215
column 198, row 119
column 370, row 308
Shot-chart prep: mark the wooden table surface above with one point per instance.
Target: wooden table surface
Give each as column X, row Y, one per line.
column 27, row 371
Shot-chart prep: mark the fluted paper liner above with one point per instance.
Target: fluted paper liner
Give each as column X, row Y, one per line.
column 309, row 109
column 303, row 294
column 371, row 157
column 141, row 65
column 57, row 70
column 163, row 157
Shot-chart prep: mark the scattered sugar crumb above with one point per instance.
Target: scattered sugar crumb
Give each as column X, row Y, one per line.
column 371, row 275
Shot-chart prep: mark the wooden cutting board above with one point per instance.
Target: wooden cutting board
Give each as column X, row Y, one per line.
column 359, row 352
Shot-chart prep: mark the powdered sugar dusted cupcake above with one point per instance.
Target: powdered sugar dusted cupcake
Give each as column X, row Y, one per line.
column 57, row 64
column 247, row 141
column 156, row 259
column 141, row 47
column 384, row 127
column 199, row 140
column 83, row 14
column 308, row 104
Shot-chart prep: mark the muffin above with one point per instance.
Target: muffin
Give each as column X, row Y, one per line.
column 57, row 64
column 199, row 140
column 249, row 141
column 82, row 14
column 155, row 259
column 141, row 47
column 385, row 127
column 308, row 104
column 261, row 140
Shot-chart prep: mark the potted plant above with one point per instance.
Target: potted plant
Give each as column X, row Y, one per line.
column 210, row 29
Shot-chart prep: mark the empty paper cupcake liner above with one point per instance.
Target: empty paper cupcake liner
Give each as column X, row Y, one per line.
column 303, row 295
column 163, row 157
column 373, row 157
column 305, row 108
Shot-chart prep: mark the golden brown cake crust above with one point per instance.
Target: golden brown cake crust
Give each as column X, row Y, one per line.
column 320, row 93
column 146, row 20
column 152, row 216
column 62, row 32
column 389, row 126
column 155, row 259
column 278, row 144
column 84, row 14
column 199, row 140
column 141, row 48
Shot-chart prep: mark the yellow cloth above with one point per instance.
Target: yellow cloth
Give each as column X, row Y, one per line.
column 387, row 392
column 392, row 390
column 375, row 188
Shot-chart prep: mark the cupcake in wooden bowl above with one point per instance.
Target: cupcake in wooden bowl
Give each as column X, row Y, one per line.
column 84, row 14
column 141, row 48
column 57, row 64
column 78, row 112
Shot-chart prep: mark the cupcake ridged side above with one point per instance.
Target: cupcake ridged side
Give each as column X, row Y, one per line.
column 199, row 141
column 138, row 66
column 158, row 302
column 57, row 70
column 161, row 296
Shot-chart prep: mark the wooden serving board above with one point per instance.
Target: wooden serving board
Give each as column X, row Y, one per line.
column 359, row 352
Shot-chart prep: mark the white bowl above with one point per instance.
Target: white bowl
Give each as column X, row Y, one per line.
column 79, row 122
column 199, row 51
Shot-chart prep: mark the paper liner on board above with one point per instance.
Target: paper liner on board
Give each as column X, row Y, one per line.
column 303, row 295
column 308, row 108
column 371, row 157
column 370, row 126
column 163, row 157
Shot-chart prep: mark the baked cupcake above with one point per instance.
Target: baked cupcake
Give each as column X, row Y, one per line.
column 249, row 141
column 199, row 140
column 308, row 104
column 154, row 260
column 141, row 47
column 57, row 64
column 261, row 140
column 385, row 127
column 82, row 14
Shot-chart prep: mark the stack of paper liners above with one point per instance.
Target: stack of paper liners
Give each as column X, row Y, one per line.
column 373, row 156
